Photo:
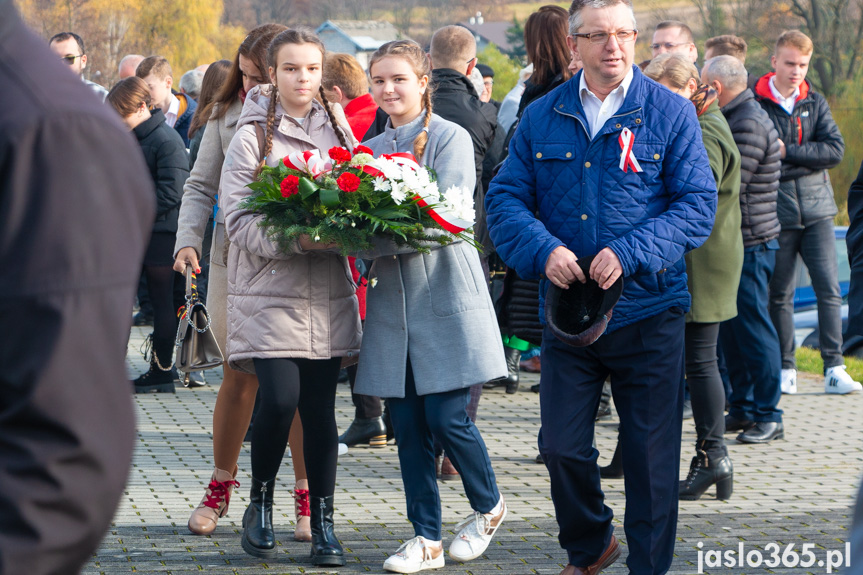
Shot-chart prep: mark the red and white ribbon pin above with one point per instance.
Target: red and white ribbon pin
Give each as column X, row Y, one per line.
column 627, row 158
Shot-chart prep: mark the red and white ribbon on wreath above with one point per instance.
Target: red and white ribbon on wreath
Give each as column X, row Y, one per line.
column 309, row 161
column 627, row 158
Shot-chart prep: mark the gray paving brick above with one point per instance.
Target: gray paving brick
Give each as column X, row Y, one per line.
column 798, row 491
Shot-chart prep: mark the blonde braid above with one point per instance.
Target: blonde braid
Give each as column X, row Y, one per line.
column 268, row 131
column 422, row 139
column 340, row 132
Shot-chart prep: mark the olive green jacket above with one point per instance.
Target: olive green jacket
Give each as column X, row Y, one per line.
column 714, row 268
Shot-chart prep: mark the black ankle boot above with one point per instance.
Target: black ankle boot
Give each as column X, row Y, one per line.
column 513, row 358
column 326, row 549
column 613, row 470
column 160, row 377
column 705, row 472
column 371, row 430
column 258, row 537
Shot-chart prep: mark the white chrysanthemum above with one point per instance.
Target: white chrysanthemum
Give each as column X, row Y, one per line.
column 411, row 180
column 430, row 193
column 398, row 193
column 381, row 184
column 424, row 177
column 361, row 160
column 391, row 170
column 459, row 201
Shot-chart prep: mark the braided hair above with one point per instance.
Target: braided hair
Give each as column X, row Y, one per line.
column 411, row 52
column 293, row 36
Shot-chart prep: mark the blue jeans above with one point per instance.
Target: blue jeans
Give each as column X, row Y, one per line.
column 417, row 421
column 816, row 244
column 645, row 362
column 750, row 342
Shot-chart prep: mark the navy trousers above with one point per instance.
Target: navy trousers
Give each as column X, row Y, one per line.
column 417, row 421
column 750, row 341
column 645, row 362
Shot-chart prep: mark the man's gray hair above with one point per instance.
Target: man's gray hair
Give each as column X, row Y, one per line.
column 730, row 72
column 576, row 21
column 190, row 83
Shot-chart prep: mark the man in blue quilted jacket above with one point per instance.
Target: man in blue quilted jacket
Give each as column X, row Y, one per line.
column 609, row 164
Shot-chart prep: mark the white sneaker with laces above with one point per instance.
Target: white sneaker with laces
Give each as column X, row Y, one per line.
column 415, row 555
column 837, row 380
column 475, row 533
column 789, row 381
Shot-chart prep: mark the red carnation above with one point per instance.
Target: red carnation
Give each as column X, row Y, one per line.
column 290, row 186
column 348, row 182
column 360, row 149
column 339, row 155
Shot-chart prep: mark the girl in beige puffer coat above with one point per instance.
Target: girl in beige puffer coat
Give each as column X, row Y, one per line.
column 291, row 316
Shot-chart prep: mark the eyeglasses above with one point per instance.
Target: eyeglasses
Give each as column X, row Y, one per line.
column 668, row 45
column 622, row 36
column 71, row 59
column 488, row 82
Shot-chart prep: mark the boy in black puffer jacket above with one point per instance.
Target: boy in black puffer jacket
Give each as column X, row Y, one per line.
column 810, row 145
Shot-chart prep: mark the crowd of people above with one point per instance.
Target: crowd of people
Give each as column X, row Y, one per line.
column 640, row 226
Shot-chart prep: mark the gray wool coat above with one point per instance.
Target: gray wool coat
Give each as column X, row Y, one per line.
column 434, row 308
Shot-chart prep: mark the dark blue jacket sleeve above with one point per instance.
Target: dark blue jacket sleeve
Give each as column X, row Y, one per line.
column 519, row 238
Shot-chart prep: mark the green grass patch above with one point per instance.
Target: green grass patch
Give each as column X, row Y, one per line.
column 809, row 360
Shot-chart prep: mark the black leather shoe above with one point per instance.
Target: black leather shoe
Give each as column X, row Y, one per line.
column 142, row 319
column 762, row 432
column 258, row 537
column 371, row 431
column 705, row 472
column 732, row 424
column 326, row 549
column 613, row 470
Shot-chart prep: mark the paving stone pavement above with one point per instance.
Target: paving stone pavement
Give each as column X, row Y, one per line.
column 796, row 491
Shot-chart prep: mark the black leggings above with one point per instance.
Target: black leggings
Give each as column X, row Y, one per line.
column 706, row 388
column 160, row 284
column 285, row 385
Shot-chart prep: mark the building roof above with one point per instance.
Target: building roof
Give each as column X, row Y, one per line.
column 494, row 32
column 365, row 34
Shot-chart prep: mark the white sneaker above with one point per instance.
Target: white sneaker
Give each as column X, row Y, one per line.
column 837, row 380
column 415, row 555
column 475, row 534
column 789, row 381
column 343, row 449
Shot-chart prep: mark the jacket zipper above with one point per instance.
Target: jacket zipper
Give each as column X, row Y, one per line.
column 263, row 503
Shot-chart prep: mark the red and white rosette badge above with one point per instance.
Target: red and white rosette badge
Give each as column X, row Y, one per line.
column 447, row 218
column 627, row 158
column 309, row 162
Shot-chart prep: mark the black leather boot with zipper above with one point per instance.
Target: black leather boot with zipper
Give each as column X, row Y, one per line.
column 258, row 537
column 326, row 549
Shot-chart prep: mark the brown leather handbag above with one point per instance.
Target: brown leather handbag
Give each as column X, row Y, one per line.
column 197, row 348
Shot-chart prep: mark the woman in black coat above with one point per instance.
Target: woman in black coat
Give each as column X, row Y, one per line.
column 168, row 162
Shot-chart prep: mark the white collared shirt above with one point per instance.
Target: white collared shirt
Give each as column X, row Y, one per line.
column 171, row 112
column 786, row 103
column 599, row 111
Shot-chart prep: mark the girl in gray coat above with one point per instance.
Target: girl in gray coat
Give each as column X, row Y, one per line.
column 426, row 311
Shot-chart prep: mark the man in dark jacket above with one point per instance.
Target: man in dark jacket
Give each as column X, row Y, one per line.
column 178, row 108
column 453, row 57
column 70, row 250
column 749, row 341
column 810, row 144
column 609, row 164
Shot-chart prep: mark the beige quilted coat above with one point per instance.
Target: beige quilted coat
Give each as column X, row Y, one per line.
column 297, row 305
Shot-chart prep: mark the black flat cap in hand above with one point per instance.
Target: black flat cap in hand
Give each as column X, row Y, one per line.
column 579, row 315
